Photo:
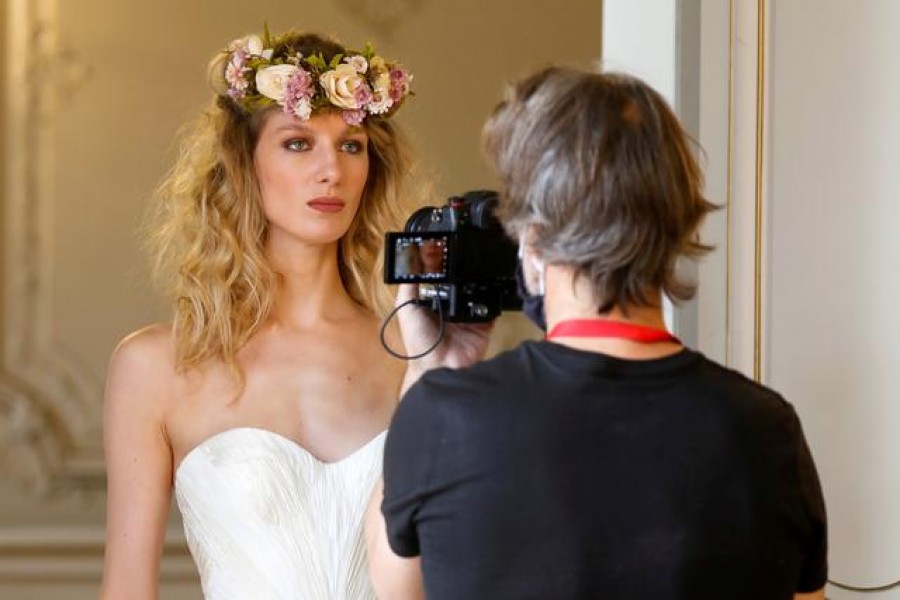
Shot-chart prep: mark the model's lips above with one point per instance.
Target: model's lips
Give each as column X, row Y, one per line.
column 327, row 204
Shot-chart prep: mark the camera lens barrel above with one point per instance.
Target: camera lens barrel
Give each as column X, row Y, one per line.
column 423, row 219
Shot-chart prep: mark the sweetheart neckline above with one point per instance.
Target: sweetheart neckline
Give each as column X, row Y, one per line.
column 293, row 444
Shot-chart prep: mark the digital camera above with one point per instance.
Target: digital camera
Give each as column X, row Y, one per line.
column 461, row 257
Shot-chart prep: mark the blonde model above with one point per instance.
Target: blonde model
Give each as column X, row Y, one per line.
column 263, row 405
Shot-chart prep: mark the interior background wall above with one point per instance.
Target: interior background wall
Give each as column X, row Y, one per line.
column 93, row 93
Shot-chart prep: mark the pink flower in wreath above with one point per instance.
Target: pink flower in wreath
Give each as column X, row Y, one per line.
column 297, row 94
column 400, row 80
column 354, row 117
column 363, row 95
column 234, row 75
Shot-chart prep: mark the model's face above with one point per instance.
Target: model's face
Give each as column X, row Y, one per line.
column 311, row 176
column 432, row 253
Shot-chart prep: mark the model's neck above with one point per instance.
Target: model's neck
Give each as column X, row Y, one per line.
column 309, row 289
column 569, row 297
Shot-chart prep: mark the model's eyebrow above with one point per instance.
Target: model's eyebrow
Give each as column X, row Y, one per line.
column 301, row 128
column 293, row 127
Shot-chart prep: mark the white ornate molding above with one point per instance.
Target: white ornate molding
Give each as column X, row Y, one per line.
column 49, row 423
column 26, row 449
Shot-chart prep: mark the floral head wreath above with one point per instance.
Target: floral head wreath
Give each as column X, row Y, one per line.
column 360, row 84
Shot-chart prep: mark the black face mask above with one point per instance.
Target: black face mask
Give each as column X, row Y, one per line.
column 532, row 304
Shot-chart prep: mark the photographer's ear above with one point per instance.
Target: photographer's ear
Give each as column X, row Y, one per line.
column 530, row 280
column 533, row 267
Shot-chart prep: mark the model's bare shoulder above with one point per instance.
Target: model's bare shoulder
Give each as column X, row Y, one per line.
column 142, row 366
column 149, row 348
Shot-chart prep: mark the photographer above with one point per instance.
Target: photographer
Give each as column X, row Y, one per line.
column 607, row 461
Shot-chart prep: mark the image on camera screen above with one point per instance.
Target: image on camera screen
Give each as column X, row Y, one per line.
column 420, row 258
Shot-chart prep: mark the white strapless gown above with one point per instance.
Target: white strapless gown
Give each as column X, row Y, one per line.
column 265, row 520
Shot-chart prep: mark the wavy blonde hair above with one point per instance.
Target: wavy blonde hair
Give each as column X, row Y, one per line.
column 208, row 231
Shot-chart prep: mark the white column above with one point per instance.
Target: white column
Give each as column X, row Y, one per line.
column 834, row 258
column 639, row 37
column 804, row 298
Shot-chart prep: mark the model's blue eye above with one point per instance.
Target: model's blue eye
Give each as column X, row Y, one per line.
column 352, row 146
column 297, row 145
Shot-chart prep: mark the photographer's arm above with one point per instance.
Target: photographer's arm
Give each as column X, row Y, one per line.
column 464, row 344
column 393, row 577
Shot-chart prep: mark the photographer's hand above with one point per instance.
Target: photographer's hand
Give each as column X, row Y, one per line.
column 463, row 344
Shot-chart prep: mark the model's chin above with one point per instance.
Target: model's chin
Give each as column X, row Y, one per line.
column 324, row 233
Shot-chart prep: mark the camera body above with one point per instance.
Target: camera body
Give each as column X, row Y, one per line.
column 460, row 256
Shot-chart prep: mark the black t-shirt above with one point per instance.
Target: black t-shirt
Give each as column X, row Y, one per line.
column 549, row 472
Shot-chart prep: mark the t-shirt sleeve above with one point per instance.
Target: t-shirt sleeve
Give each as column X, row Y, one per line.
column 814, row 571
column 408, row 463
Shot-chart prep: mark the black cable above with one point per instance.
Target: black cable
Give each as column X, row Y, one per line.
column 435, row 305
column 853, row 588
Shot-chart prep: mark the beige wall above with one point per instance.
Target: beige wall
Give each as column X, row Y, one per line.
column 93, row 92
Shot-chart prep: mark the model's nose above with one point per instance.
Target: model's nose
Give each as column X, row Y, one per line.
column 329, row 170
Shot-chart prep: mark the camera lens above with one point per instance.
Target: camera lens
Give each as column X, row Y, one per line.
column 420, row 220
column 481, row 208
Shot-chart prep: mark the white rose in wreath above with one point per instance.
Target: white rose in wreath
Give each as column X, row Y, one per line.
column 272, row 81
column 340, row 85
column 252, row 44
column 358, row 63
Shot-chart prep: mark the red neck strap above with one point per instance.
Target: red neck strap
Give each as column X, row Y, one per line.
column 607, row 328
